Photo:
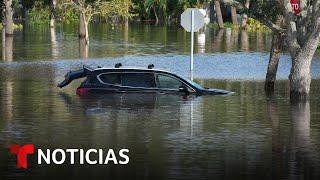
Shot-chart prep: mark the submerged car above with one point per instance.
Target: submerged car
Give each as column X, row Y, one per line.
column 130, row 79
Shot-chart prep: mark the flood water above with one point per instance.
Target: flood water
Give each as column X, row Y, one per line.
column 244, row 136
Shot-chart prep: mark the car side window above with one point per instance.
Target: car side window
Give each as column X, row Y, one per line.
column 112, row 78
column 168, row 82
column 145, row 80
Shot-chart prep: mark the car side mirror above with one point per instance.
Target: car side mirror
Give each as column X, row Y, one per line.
column 183, row 89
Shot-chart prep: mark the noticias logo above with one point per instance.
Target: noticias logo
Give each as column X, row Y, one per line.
column 59, row 156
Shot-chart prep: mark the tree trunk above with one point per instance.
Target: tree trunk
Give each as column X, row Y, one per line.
column 156, row 15
column 9, row 49
column 300, row 77
column 3, row 44
column 83, row 28
column 234, row 15
column 83, row 48
column 276, row 46
column 52, row 17
column 244, row 17
column 8, row 18
column 219, row 14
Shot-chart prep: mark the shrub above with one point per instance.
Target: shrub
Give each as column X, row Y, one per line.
column 39, row 14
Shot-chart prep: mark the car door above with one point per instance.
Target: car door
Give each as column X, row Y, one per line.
column 138, row 82
column 169, row 84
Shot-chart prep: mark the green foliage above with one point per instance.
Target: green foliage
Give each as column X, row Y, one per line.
column 15, row 26
column 66, row 14
column 269, row 9
column 116, row 8
column 253, row 25
column 39, row 13
column 159, row 7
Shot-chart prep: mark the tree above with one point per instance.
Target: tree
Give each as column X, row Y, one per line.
column 53, row 9
column 86, row 11
column 116, row 8
column 218, row 14
column 244, row 17
column 8, row 17
column 234, row 15
column 276, row 48
column 302, row 35
column 158, row 7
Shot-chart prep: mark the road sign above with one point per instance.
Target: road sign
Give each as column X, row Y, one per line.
column 192, row 20
column 199, row 15
column 295, row 4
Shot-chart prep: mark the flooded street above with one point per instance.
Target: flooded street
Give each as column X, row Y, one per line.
column 243, row 136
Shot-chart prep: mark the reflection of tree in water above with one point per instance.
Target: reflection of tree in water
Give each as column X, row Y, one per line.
column 244, row 40
column 55, row 51
column 7, row 101
column 277, row 145
column 303, row 155
column 298, row 156
column 83, row 48
column 201, row 42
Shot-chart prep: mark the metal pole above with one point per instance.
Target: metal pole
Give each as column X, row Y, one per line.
column 191, row 50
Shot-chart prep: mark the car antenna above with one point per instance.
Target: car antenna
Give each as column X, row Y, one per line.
column 150, row 66
column 118, row 65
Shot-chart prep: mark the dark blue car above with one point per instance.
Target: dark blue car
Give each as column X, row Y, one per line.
column 126, row 80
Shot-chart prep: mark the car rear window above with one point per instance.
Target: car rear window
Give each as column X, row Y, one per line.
column 112, row 78
column 146, row 80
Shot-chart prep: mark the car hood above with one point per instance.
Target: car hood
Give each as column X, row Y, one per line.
column 216, row 92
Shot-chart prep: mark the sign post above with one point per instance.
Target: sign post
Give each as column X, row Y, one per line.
column 192, row 19
column 191, row 45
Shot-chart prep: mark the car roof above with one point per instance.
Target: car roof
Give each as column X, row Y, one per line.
column 128, row 68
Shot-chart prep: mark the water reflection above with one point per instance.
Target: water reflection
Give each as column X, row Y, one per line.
column 201, row 42
column 102, row 104
column 83, row 48
column 298, row 152
column 302, row 153
column 218, row 39
column 54, row 43
column 244, row 40
column 242, row 136
column 278, row 147
column 42, row 42
column 7, row 101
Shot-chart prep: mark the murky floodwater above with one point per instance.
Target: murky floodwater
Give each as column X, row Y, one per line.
column 244, row 136
column 42, row 43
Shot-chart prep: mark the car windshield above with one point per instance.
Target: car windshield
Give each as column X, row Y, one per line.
column 192, row 83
